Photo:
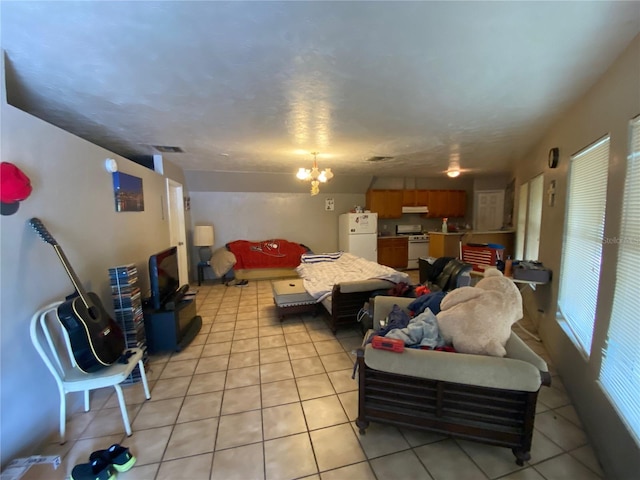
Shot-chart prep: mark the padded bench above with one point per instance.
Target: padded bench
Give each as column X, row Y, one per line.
column 291, row 297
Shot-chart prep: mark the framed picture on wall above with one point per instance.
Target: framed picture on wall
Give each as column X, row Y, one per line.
column 127, row 191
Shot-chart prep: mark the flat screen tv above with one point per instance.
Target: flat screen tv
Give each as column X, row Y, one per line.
column 163, row 276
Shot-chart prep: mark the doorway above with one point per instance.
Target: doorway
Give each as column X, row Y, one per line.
column 177, row 232
column 490, row 210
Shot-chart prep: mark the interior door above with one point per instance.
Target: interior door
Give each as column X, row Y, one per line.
column 177, row 232
column 489, row 210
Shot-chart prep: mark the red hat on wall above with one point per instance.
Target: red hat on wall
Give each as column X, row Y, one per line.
column 15, row 186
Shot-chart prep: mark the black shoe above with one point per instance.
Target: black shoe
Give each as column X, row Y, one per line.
column 96, row 469
column 117, row 456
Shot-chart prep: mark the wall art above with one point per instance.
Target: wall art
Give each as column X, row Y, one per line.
column 127, row 191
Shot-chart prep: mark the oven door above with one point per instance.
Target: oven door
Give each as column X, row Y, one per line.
column 417, row 249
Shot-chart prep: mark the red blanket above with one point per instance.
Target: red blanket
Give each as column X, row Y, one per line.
column 276, row 253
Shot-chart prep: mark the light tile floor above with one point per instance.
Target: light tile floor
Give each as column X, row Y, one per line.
column 254, row 398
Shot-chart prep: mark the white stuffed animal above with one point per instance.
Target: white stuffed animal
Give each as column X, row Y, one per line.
column 478, row 319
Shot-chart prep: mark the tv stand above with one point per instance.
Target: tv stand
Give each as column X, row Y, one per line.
column 172, row 330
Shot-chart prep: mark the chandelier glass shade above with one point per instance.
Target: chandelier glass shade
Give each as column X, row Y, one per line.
column 314, row 175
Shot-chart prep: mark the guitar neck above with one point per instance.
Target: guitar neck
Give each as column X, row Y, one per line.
column 73, row 277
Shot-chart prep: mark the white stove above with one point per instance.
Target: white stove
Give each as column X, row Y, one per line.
column 419, row 237
column 408, row 229
column 418, row 243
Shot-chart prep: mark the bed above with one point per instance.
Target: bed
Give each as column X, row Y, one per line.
column 343, row 282
column 340, row 282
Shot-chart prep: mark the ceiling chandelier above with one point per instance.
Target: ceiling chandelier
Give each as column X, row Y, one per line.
column 315, row 176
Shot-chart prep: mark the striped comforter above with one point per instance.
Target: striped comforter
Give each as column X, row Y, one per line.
column 319, row 278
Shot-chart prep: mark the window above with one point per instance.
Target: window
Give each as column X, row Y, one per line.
column 620, row 370
column 582, row 244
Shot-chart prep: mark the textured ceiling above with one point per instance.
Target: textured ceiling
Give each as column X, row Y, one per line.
column 252, row 86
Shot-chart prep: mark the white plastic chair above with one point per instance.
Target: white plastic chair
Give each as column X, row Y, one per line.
column 51, row 341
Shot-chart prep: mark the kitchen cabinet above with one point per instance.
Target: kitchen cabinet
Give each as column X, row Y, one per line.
column 415, row 198
column 409, row 198
column 444, row 244
column 386, row 203
column 447, row 203
column 437, row 203
column 422, row 198
column 456, row 203
column 393, row 252
column 441, row 203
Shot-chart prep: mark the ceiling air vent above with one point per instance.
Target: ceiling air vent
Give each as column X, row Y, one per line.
column 168, row 149
column 379, row 159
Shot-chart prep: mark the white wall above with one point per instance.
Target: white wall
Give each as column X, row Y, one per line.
column 297, row 217
column 73, row 196
column 606, row 108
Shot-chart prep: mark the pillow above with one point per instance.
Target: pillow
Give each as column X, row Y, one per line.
column 320, row 257
column 222, row 261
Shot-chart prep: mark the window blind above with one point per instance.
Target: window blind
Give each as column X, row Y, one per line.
column 620, row 370
column 522, row 220
column 583, row 237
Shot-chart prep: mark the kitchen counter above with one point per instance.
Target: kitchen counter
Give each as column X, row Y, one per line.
column 473, row 232
column 448, row 244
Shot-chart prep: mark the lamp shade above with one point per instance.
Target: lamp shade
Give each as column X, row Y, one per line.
column 203, row 236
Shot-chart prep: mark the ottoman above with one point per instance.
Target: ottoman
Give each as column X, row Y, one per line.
column 291, row 297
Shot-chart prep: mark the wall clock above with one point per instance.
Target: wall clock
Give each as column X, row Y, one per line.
column 554, row 156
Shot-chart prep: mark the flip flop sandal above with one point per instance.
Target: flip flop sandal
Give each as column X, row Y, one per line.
column 96, row 469
column 116, row 455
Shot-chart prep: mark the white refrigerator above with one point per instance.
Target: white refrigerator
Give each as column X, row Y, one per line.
column 358, row 234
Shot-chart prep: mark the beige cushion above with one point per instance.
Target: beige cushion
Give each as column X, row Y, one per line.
column 222, row 261
column 478, row 370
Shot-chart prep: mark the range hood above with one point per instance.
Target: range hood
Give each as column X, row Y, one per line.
column 423, row 209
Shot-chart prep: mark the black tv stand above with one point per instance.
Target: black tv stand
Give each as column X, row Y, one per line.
column 175, row 298
column 171, row 330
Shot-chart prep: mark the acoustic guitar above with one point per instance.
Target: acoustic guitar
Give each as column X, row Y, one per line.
column 96, row 339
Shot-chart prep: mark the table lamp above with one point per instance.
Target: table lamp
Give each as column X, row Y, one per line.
column 203, row 238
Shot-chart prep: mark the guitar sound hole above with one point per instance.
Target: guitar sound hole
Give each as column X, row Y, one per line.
column 93, row 313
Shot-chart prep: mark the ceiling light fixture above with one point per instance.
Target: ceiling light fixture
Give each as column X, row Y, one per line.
column 454, row 161
column 315, row 176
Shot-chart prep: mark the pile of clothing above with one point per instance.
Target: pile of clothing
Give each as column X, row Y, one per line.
column 419, row 330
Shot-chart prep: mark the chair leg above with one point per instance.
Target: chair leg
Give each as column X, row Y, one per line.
column 143, row 375
column 521, row 456
column 63, row 416
column 87, row 401
column 362, row 425
column 123, row 410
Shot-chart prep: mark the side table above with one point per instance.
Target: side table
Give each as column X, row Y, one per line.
column 201, row 267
